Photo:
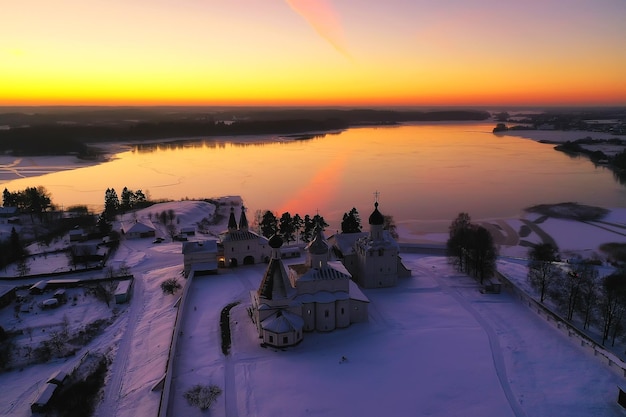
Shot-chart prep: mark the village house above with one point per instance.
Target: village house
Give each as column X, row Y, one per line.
column 137, row 230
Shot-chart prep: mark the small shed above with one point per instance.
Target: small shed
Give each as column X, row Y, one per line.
column 77, row 235
column 41, row 403
column 38, row 287
column 50, row 303
column 60, row 295
column 188, row 231
column 123, row 291
column 7, row 294
column 57, row 378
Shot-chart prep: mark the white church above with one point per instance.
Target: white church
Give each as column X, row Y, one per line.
column 372, row 258
column 241, row 246
column 318, row 295
column 323, row 294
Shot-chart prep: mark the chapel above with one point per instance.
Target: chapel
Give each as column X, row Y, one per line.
column 372, row 258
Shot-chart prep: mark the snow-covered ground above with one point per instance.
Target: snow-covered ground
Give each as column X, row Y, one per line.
column 434, row 345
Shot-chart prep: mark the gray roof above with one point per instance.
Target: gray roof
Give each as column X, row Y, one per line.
column 138, row 227
column 345, row 241
column 332, row 270
column 238, row 235
column 209, row 246
column 323, row 297
column 6, row 289
column 275, row 284
column 283, row 322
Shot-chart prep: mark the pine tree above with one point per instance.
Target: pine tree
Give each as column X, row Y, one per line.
column 111, row 203
column 269, row 224
column 351, row 222
column 286, row 228
column 126, row 199
column 307, row 232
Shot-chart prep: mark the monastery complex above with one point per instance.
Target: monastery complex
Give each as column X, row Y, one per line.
column 322, row 294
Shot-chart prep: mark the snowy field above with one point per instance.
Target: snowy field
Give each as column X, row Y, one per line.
column 434, row 345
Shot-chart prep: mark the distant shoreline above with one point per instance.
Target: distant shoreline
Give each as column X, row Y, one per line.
column 16, row 167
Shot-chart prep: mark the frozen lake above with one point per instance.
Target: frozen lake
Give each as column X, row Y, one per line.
column 425, row 173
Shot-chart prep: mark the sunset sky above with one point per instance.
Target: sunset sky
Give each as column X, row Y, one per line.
column 313, row 52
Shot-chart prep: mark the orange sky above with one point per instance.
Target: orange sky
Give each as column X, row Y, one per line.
column 313, row 52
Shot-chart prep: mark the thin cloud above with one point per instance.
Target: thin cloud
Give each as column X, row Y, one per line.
column 322, row 17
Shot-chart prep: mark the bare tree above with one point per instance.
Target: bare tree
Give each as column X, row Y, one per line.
column 613, row 305
column 105, row 291
column 542, row 270
column 22, row 267
column 202, row 396
column 572, row 283
column 171, row 230
column 123, row 270
column 458, row 241
column 170, row 286
column 57, row 343
column 589, row 293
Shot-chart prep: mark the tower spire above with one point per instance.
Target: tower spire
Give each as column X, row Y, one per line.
column 232, row 223
column 243, row 221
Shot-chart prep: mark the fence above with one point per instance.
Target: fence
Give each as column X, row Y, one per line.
column 608, row 358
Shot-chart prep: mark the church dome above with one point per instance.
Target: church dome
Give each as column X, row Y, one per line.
column 318, row 245
column 275, row 242
column 376, row 218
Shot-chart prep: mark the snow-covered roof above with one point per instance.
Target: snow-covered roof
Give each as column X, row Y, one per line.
column 323, row 297
column 138, row 227
column 387, row 242
column 275, row 284
column 6, row 289
column 7, row 211
column 356, row 293
column 239, row 235
column 345, row 241
column 332, row 270
column 204, row 246
column 283, row 322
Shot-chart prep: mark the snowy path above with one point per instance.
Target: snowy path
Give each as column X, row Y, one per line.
column 494, row 343
column 230, row 388
column 111, row 401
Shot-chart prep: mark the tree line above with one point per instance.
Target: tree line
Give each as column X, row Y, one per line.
column 129, row 200
column 471, row 249
column 577, row 291
column 292, row 228
column 33, row 200
column 45, row 136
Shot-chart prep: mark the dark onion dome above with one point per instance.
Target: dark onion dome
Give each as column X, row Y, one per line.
column 376, row 218
column 275, row 241
column 318, row 245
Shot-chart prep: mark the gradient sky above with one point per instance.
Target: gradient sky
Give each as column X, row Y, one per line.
column 313, row 52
